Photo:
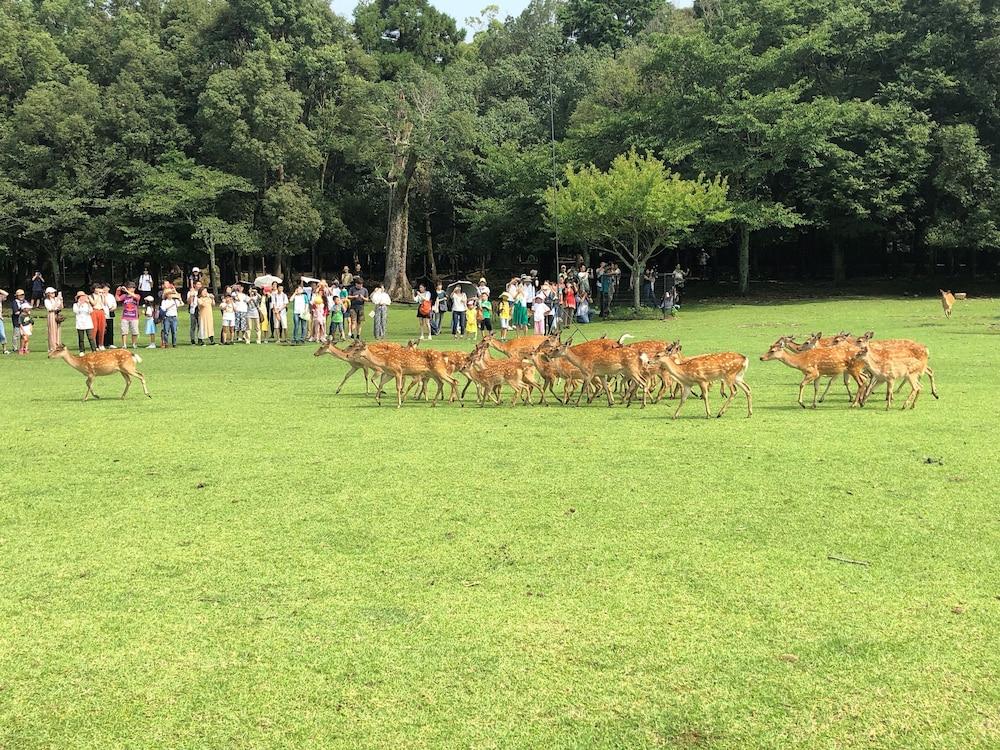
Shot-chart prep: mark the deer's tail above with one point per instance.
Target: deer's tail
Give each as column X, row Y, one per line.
column 137, row 359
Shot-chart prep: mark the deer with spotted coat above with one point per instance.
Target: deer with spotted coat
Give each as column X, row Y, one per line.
column 96, row 364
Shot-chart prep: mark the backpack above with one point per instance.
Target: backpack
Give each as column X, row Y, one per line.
column 425, row 307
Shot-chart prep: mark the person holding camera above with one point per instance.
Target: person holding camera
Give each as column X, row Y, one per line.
column 129, row 300
column 53, row 318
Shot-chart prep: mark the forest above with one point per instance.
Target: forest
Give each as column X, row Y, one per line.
column 851, row 138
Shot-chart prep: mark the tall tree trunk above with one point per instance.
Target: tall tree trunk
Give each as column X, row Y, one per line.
column 430, row 245
column 637, row 268
column 396, row 283
column 56, row 270
column 213, row 270
column 839, row 273
column 743, row 263
column 279, row 258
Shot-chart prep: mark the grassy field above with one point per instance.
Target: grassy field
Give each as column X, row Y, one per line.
column 248, row 561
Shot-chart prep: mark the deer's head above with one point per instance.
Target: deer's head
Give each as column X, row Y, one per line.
column 776, row 348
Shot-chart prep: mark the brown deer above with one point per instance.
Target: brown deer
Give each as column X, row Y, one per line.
column 705, row 369
column 600, row 360
column 816, row 363
column 900, row 349
column 888, row 366
column 490, row 374
column 552, row 370
column 947, row 302
column 356, row 355
column 96, row 364
column 518, row 348
column 401, row 362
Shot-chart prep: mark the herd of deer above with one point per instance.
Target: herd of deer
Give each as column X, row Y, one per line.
column 605, row 366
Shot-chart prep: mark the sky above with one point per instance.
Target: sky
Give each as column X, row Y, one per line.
column 462, row 9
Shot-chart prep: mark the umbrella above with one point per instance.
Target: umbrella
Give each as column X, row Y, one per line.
column 470, row 289
column 309, row 280
column 266, row 280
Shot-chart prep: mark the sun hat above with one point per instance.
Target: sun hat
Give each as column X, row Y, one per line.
column 504, row 295
column 147, row 298
column 482, row 280
column 80, row 294
column 49, row 290
column 539, row 298
column 196, row 270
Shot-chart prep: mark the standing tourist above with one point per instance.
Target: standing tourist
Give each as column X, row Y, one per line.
column 279, row 311
column 539, row 311
column 129, row 300
column 337, row 320
column 110, row 306
column 192, row 303
column 194, row 278
column 300, row 313
column 440, row 308
column 99, row 305
column 346, row 278
column 83, row 311
column 459, row 307
column 422, row 298
column 569, row 304
column 484, row 315
column 206, row 317
column 3, row 326
column 53, row 321
column 520, row 319
column 504, row 312
column 472, row 318
column 25, row 328
column 150, row 315
column 145, row 282
column 228, row 310
column 168, row 318
column 482, row 288
column 318, row 312
column 605, row 283
column 253, row 314
column 358, row 296
column 241, row 306
column 381, row 300
column 583, row 308
column 37, row 287
column 15, row 311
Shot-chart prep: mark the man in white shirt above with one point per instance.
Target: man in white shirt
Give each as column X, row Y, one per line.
column 300, row 323
column 168, row 310
column 459, row 309
column 145, row 282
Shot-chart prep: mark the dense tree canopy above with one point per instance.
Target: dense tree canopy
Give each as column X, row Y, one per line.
column 852, row 137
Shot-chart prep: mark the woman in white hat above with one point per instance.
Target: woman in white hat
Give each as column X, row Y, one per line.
column 53, row 305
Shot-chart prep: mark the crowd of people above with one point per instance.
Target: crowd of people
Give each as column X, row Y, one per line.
column 316, row 310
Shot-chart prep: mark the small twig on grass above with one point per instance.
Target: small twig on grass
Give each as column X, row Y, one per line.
column 847, row 560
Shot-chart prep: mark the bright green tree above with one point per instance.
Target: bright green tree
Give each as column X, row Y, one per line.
column 635, row 209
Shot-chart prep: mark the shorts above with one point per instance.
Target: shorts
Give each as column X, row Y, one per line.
column 486, row 324
column 357, row 315
column 281, row 319
column 504, row 324
column 3, row 333
column 130, row 326
column 228, row 322
column 241, row 321
column 150, row 326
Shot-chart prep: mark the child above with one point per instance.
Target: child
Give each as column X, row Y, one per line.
column 25, row 327
column 505, row 313
column 540, row 310
column 471, row 324
column 337, row 320
column 485, row 314
column 228, row 320
column 253, row 315
column 150, row 329
column 667, row 303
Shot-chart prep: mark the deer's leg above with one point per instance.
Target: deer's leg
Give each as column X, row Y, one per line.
column 889, row 386
column 827, row 389
column 607, row 390
column 399, row 389
column 915, row 388
column 746, row 390
column 731, row 387
column 128, row 383
column 90, row 388
column 142, row 379
column 354, row 369
column 684, row 395
column 378, row 391
column 816, row 389
column 802, row 387
column 930, row 375
column 705, row 387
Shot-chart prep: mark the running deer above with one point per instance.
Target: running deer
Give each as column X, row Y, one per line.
column 899, row 349
column 600, row 360
column 96, row 364
column 816, row 363
column 357, row 356
column 401, row 362
column 888, row 366
column 490, row 375
column 947, row 302
column 552, row 370
column 520, row 347
column 705, row 369
column 653, row 369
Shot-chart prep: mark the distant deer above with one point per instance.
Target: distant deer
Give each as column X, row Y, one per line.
column 357, row 356
column 947, row 302
column 96, row 364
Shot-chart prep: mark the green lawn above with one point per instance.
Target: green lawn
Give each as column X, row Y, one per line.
column 247, row 560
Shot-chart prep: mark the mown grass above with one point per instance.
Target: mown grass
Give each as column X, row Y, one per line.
column 249, row 561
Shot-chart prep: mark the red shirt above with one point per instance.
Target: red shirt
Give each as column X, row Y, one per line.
column 570, row 298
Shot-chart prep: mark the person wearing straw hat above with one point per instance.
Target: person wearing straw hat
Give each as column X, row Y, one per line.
column 83, row 311
column 504, row 312
column 15, row 309
column 53, row 304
